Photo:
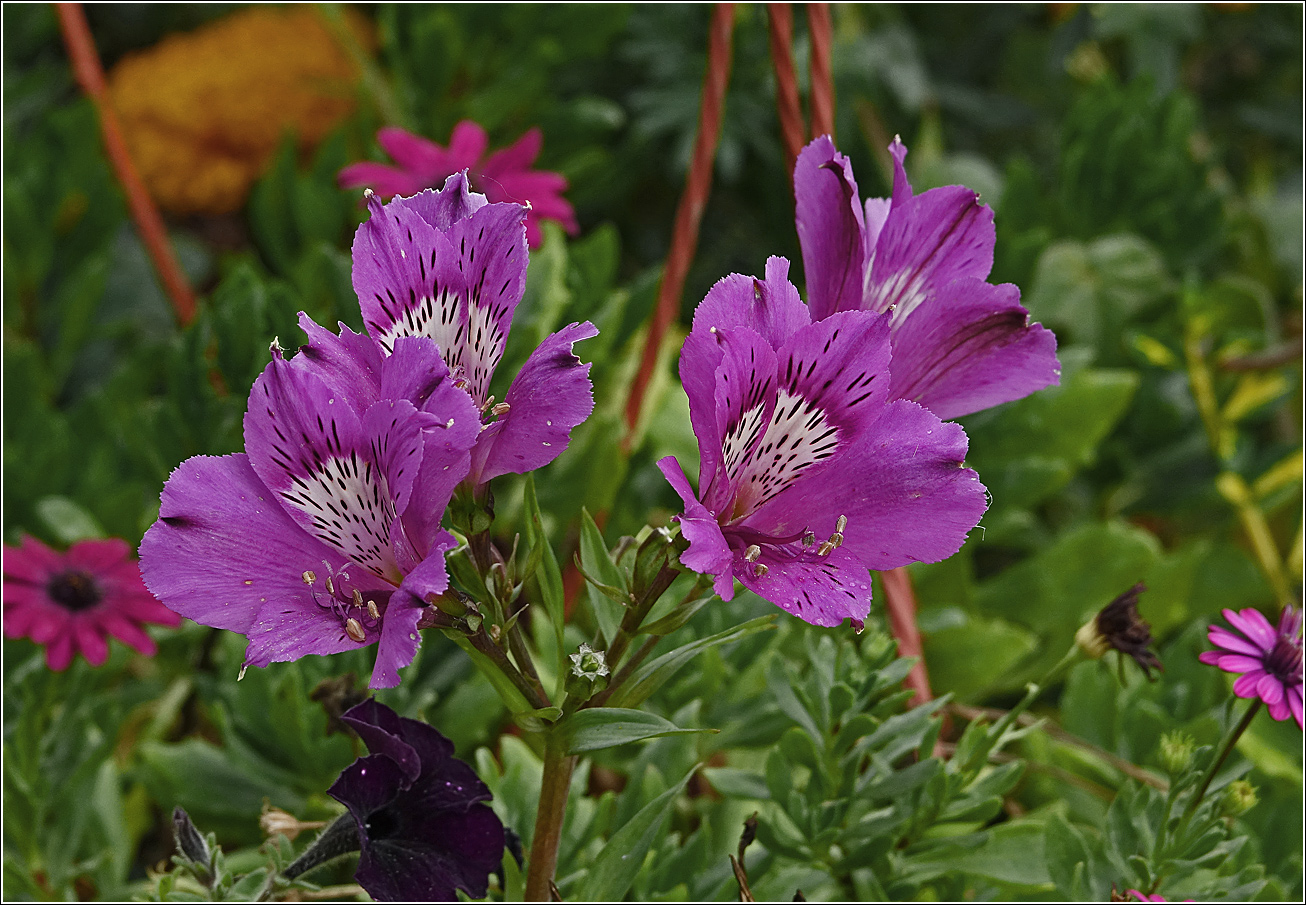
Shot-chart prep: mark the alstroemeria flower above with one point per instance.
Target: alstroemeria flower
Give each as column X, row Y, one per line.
column 960, row 344
column 810, row 472
column 325, row 534
column 423, row 830
column 1269, row 660
column 505, row 176
column 72, row 602
column 451, row 266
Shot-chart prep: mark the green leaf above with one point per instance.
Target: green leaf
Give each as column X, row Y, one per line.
column 542, row 563
column 606, row 587
column 615, row 868
column 968, row 653
column 1011, row 853
column 606, row 727
column 67, row 521
column 649, row 677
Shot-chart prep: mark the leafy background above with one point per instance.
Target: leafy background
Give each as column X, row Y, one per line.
column 1145, row 166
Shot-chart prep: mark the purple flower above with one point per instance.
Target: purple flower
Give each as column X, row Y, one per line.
column 72, row 602
column 451, row 266
column 960, row 344
column 505, row 176
column 325, row 534
column 810, row 473
column 1270, row 661
column 422, row 828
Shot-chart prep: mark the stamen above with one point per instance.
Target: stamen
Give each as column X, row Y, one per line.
column 372, row 610
column 752, row 553
column 309, row 577
column 841, row 524
column 809, row 537
column 489, row 403
column 501, row 409
column 354, row 629
column 358, row 598
column 760, row 570
column 330, row 586
column 826, row 547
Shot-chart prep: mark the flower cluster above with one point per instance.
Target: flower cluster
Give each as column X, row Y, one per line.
column 505, row 175
column 325, row 535
column 72, row 602
column 203, row 113
column 823, row 449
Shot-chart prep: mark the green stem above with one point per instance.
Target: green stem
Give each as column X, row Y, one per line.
column 1226, row 749
column 625, row 672
column 634, row 618
column 554, row 785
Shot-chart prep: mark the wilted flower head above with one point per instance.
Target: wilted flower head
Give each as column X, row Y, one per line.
column 810, row 474
column 72, row 602
column 1118, row 627
column 505, row 176
column 1269, row 660
column 960, row 344
column 422, row 827
column 451, row 266
column 325, row 534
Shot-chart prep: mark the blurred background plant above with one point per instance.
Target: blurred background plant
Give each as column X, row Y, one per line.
column 1145, row 166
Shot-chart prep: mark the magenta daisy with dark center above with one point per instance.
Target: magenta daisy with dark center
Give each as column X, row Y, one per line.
column 960, row 343
column 810, row 472
column 1268, row 659
column 450, row 266
column 506, row 175
column 73, row 602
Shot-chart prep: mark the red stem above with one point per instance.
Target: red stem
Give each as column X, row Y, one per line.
column 818, row 22
column 689, row 213
column 900, row 604
column 781, row 19
column 90, row 75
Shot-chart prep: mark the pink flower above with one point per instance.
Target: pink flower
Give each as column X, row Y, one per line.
column 1270, row 660
column 505, row 176
column 1143, row 897
column 70, row 602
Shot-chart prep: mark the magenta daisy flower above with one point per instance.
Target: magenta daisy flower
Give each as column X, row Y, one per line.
column 1269, row 660
column 960, row 343
column 72, row 602
column 504, row 176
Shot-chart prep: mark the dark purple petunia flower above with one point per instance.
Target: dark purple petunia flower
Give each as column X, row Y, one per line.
column 422, row 827
column 960, row 344
column 451, row 266
column 1269, row 660
column 810, row 473
column 325, row 534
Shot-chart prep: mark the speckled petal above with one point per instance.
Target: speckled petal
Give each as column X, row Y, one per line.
column 831, row 229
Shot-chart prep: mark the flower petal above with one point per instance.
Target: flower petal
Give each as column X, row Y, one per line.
column 1295, row 703
column 223, row 546
column 831, row 229
column 969, row 347
column 708, row 552
column 902, row 487
column 517, row 156
column 1270, row 690
column 927, row 242
column 88, row 638
column 467, row 145
column 453, row 202
column 821, row 590
column 1255, row 626
column 1239, row 663
column 550, row 396
column 349, row 364
column 31, row 561
column 382, row 179
column 770, row 308
column 422, row 158
column 1245, row 685
column 1226, row 639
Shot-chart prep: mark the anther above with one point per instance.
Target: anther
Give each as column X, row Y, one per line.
column 309, row 577
column 826, row 547
column 275, row 347
column 372, row 610
column 330, row 586
column 489, row 403
column 841, row 524
column 752, row 553
column 358, row 598
column 354, row 629
column 809, row 537
column 760, row 570
column 501, row 409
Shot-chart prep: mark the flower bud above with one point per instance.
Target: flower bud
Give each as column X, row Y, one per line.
column 1176, row 752
column 189, row 841
column 1239, row 798
column 589, row 672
